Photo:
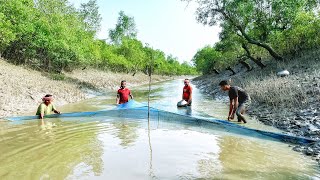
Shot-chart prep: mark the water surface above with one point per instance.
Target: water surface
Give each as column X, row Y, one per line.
column 128, row 148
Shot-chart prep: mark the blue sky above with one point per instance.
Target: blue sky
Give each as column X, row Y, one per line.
column 168, row 25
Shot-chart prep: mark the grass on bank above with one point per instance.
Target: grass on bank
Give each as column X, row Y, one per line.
column 300, row 88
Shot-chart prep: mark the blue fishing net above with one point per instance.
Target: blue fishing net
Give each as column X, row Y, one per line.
column 135, row 110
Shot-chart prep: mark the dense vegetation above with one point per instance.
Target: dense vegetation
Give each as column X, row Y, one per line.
column 53, row 36
column 257, row 29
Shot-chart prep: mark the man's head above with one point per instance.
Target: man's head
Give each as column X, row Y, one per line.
column 47, row 99
column 186, row 82
column 225, row 86
column 123, row 84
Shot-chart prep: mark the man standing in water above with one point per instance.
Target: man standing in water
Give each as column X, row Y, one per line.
column 123, row 93
column 187, row 92
column 239, row 100
column 46, row 107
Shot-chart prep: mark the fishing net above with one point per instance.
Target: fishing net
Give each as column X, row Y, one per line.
column 137, row 111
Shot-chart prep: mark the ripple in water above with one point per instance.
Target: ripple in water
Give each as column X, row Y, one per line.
column 122, row 149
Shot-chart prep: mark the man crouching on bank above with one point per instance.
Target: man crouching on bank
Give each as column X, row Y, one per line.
column 239, row 100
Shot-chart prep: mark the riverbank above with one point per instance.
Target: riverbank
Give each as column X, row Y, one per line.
column 21, row 88
column 291, row 103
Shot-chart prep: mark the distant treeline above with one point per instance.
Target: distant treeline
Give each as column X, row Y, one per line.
column 256, row 30
column 54, row 36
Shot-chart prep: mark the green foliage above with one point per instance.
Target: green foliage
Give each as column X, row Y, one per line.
column 268, row 28
column 206, row 59
column 132, row 50
column 90, row 15
column 126, row 27
column 53, row 36
column 303, row 34
column 6, row 33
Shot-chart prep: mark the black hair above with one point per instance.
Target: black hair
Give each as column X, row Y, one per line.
column 123, row 81
column 48, row 95
column 223, row 83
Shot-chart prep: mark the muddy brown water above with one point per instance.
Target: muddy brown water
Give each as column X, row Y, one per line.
column 115, row 148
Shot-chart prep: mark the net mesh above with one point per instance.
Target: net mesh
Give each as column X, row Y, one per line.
column 137, row 111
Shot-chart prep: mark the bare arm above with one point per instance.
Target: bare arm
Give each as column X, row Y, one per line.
column 236, row 103
column 190, row 97
column 230, row 109
column 56, row 111
column 131, row 96
column 118, row 99
column 233, row 108
column 41, row 118
column 42, row 108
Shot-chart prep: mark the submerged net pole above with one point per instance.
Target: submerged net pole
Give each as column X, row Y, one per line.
column 150, row 149
column 150, row 78
column 149, row 98
column 149, row 138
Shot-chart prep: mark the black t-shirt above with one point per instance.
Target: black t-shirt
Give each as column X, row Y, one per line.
column 236, row 91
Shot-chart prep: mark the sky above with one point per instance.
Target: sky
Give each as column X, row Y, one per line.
column 168, row 25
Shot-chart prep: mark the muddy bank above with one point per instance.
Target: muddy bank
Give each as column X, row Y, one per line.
column 109, row 80
column 291, row 103
column 21, row 89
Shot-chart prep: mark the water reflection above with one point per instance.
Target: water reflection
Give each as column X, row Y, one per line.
column 209, row 167
column 126, row 132
column 250, row 159
column 118, row 148
column 185, row 110
column 141, row 94
column 51, row 153
column 151, row 173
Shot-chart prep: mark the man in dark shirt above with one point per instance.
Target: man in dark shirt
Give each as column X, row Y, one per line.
column 239, row 100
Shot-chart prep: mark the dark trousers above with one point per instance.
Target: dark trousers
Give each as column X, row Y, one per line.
column 242, row 107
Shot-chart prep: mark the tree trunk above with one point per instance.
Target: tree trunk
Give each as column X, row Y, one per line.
column 230, row 69
column 149, row 70
column 249, row 39
column 215, row 71
column 145, row 71
column 245, row 64
column 257, row 61
column 271, row 51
